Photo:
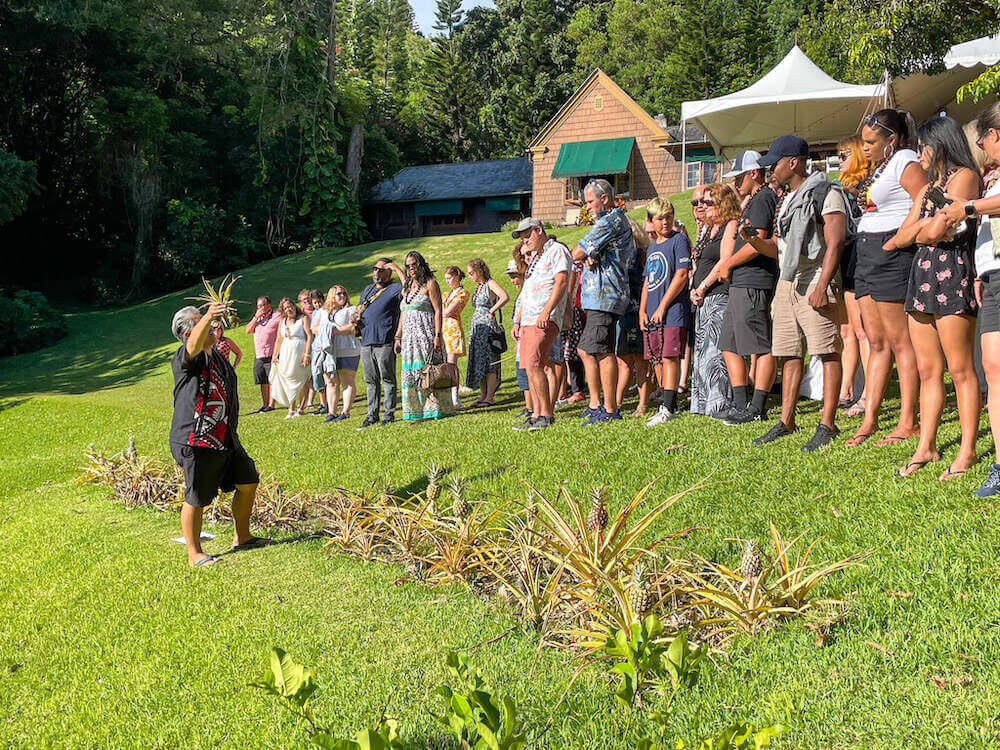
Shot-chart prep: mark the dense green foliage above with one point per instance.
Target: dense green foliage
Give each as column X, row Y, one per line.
column 28, row 322
column 145, row 143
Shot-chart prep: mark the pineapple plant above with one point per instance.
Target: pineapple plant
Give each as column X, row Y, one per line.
column 640, row 596
column 597, row 519
column 751, row 565
column 460, row 507
column 130, row 451
column 222, row 296
column 434, row 476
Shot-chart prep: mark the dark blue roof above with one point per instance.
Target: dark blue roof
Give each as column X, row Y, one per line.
column 472, row 179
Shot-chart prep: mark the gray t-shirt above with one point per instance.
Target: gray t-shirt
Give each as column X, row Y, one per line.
column 809, row 270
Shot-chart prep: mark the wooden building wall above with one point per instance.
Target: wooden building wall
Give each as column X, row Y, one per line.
column 602, row 115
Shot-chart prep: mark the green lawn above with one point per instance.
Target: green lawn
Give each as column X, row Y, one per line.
column 108, row 639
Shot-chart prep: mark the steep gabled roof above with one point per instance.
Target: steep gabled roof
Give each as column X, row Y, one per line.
column 659, row 136
column 472, row 179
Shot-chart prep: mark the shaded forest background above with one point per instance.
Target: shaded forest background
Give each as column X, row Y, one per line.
column 145, row 142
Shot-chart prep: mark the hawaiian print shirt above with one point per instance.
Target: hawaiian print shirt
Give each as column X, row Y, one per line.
column 609, row 242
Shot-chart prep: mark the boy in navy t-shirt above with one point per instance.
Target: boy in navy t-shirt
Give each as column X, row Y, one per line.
column 664, row 313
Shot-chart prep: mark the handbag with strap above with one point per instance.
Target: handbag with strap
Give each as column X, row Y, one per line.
column 441, row 374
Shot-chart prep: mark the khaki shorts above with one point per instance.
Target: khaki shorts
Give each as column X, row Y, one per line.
column 794, row 318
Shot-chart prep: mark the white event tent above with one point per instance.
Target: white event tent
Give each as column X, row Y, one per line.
column 796, row 96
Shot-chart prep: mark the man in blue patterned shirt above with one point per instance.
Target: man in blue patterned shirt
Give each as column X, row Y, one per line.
column 607, row 252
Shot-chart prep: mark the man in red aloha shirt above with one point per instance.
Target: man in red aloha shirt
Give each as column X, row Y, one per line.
column 203, row 437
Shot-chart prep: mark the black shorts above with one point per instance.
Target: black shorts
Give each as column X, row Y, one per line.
column 206, row 471
column 598, row 336
column 849, row 266
column 746, row 326
column 881, row 274
column 989, row 313
column 261, row 370
column 629, row 335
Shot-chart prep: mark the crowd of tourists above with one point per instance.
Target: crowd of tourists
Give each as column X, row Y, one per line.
column 888, row 263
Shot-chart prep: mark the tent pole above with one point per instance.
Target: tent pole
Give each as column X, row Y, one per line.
column 683, row 154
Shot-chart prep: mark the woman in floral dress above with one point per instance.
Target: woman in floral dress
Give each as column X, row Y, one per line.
column 483, row 371
column 454, row 336
column 940, row 298
column 419, row 341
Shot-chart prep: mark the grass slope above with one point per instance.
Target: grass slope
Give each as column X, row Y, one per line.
column 108, row 639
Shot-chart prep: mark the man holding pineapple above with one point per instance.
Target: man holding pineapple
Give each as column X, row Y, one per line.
column 203, row 437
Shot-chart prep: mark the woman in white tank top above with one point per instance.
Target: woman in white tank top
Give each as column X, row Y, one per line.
column 883, row 269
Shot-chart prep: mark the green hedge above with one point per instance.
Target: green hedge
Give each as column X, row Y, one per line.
column 28, row 322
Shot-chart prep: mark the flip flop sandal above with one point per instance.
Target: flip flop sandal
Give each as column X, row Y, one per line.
column 949, row 474
column 891, row 440
column 207, row 560
column 256, row 543
column 856, row 440
column 918, row 464
column 844, row 403
column 855, row 410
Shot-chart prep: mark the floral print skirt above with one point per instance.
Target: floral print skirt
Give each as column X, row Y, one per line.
column 941, row 281
column 711, row 391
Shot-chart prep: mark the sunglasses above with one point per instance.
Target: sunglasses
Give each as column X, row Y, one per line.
column 872, row 122
column 410, row 265
column 708, row 202
column 340, row 294
column 698, row 202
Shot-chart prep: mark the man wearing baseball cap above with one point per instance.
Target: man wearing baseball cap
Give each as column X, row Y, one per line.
column 812, row 229
column 540, row 312
column 746, row 326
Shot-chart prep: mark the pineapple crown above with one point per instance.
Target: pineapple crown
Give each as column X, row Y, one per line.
column 456, row 484
column 434, row 473
column 597, row 496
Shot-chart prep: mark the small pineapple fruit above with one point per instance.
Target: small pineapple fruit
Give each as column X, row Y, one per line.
column 597, row 519
column 460, row 507
column 750, row 563
column 434, row 476
column 640, row 597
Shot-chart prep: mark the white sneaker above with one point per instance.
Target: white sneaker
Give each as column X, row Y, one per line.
column 560, row 403
column 663, row 415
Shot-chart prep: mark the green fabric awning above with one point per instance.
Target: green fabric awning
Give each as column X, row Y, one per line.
column 438, row 208
column 702, row 153
column 505, row 203
column 587, row 158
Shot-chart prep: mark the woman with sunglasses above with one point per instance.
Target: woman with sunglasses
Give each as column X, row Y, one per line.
column 344, row 354
column 883, row 268
column 987, row 285
column 711, row 390
column 940, row 299
column 854, row 169
column 419, row 342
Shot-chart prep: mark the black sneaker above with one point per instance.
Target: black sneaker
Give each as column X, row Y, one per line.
column 823, row 436
column 524, row 414
column 775, row 433
column 330, row 418
column 588, row 413
column 525, row 425
column 990, row 485
column 387, row 421
column 369, row 422
column 540, row 423
column 341, row 417
column 743, row 416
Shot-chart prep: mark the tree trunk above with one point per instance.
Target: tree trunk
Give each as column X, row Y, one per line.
column 355, row 152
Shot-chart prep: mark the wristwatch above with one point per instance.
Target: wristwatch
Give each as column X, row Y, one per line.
column 970, row 210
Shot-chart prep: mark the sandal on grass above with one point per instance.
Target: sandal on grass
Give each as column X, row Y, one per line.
column 254, row 542
column 892, row 440
column 914, row 466
column 948, row 474
column 856, row 410
column 857, row 439
column 205, row 561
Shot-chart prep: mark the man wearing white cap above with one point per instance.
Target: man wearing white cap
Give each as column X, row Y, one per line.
column 540, row 314
column 746, row 327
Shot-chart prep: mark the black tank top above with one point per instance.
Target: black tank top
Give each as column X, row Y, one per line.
column 709, row 257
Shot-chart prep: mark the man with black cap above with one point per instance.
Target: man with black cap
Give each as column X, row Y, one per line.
column 746, row 327
column 811, row 230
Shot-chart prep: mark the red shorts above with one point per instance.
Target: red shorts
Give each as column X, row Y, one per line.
column 664, row 342
column 536, row 343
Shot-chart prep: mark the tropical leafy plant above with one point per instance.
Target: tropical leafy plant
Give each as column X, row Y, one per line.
column 293, row 686
column 479, row 719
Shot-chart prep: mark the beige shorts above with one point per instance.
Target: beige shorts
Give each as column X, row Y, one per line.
column 793, row 319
